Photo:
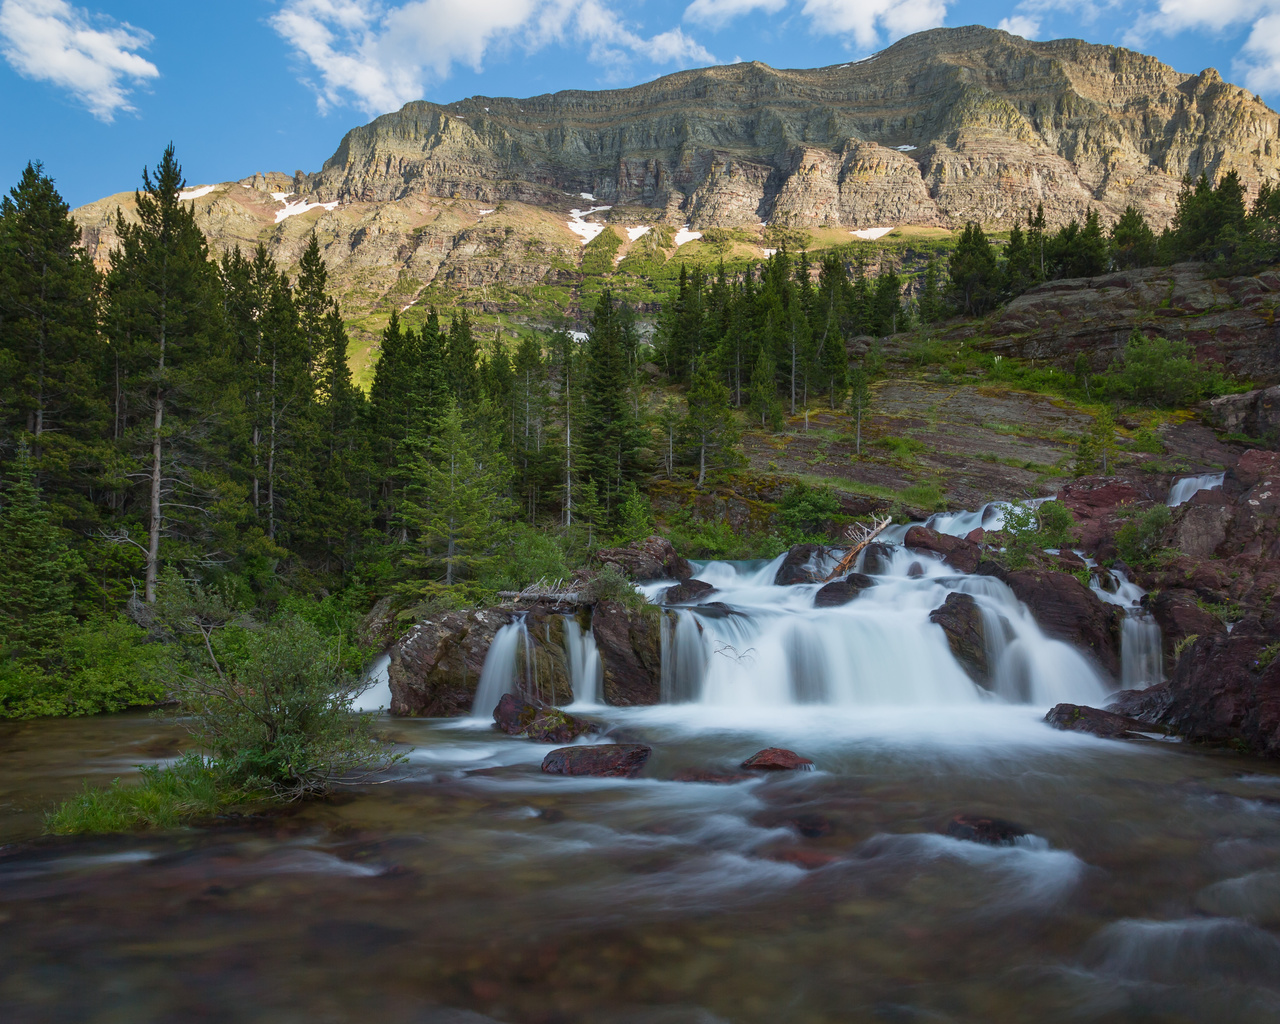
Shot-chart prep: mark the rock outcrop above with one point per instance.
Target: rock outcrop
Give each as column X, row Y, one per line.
column 960, row 553
column 538, row 722
column 436, row 666
column 961, row 620
column 686, row 592
column 650, row 559
column 1107, row 724
column 1254, row 413
column 805, row 563
column 1066, row 609
column 630, row 644
column 777, row 759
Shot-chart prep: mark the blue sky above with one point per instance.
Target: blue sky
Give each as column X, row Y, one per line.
column 96, row 91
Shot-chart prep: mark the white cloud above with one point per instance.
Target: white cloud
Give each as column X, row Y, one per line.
column 1021, row 25
column 51, row 41
column 717, row 13
column 865, row 20
column 381, row 55
column 1258, row 62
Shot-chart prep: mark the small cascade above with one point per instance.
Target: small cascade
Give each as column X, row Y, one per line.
column 960, row 524
column 1183, row 490
column 585, row 670
column 378, row 696
column 507, row 668
column 1141, row 642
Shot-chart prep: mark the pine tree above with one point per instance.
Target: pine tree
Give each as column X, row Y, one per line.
column 50, row 350
column 1133, row 243
column 454, row 503
column 930, row 303
column 37, row 570
column 611, row 452
column 709, row 431
column 166, row 318
column 859, row 399
column 975, row 277
column 464, row 375
column 763, row 394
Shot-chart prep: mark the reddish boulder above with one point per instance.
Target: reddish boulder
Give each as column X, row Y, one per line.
column 605, row 760
column 839, row 592
column 630, row 644
column 1255, row 467
column 961, row 554
column 1093, row 502
column 1107, row 724
column 650, row 559
column 435, row 667
column 876, row 559
column 1068, row 610
column 777, row 759
column 961, row 619
column 975, row 828
column 686, row 592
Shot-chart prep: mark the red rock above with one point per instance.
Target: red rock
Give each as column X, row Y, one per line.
column 630, row 646
column 1179, row 615
column 709, row 775
column 1068, row 610
column 1107, row 724
column 975, row 536
column 800, row 565
column 810, row 860
column 684, row 593
column 650, row 559
column 605, row 760
column 777, row 759
column 958, row 552
column 975, row 828
column 839, row 592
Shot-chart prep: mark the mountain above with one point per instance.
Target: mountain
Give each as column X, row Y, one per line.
column 940, row 128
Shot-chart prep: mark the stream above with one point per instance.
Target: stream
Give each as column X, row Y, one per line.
column 474, row 888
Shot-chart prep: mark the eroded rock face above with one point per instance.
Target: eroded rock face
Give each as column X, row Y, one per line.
column 1226, row 690
column 1179, row 615
column 1066, row 609
column 960, row 553
column 436, row 666
column 650, row 559
column 961, row 619
column 1255, row 413
column 605, row 760
column 630, row 645
column 842, row 591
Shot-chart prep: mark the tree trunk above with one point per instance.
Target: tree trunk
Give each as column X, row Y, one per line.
column 153, row 532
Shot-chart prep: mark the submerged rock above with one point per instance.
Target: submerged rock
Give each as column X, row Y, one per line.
column 605, row 760
column 876, row 558
column 684, row 593
column 630, row 644
column 976, row 828
column 1107, row 724
column 961, row 620
column 777, row 759
column 839, row 592
column 650, row 559
column 709, row 775
column 518, row 717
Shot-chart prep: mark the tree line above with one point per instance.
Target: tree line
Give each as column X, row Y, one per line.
column 1213, row 224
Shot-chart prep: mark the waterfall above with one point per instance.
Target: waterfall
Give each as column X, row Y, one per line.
column 585, row 671
column 1141, row 642
column 377, row 697
column 1182, row 490
column 501, row 664
column 776, row 648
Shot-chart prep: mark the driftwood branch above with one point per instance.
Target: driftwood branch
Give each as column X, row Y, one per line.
column 861, row 536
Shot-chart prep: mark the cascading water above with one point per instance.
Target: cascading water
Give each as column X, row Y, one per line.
column 500, row 666
column 1183, row 490
column 764, row 645
column 378, row 695
column 585, row 669
column 1141, row 642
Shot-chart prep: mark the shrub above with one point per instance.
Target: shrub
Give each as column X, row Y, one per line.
column 804, row 511
column 1141, row 539
column 165, row 798
column 1161, row 373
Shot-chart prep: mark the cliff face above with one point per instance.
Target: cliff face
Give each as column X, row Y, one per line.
column 942, row 127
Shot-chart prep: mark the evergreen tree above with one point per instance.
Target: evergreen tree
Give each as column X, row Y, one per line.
column 1133, row 243
column 37, row 571
column 50, row 350
column 763, row 396
column 709, row 430
column 859, row 400
column 464, row 375
column 975, row 277
column 931, row 305
column 612, row 448
column 1020, row 263
column 454, row 504
column 166, row 321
